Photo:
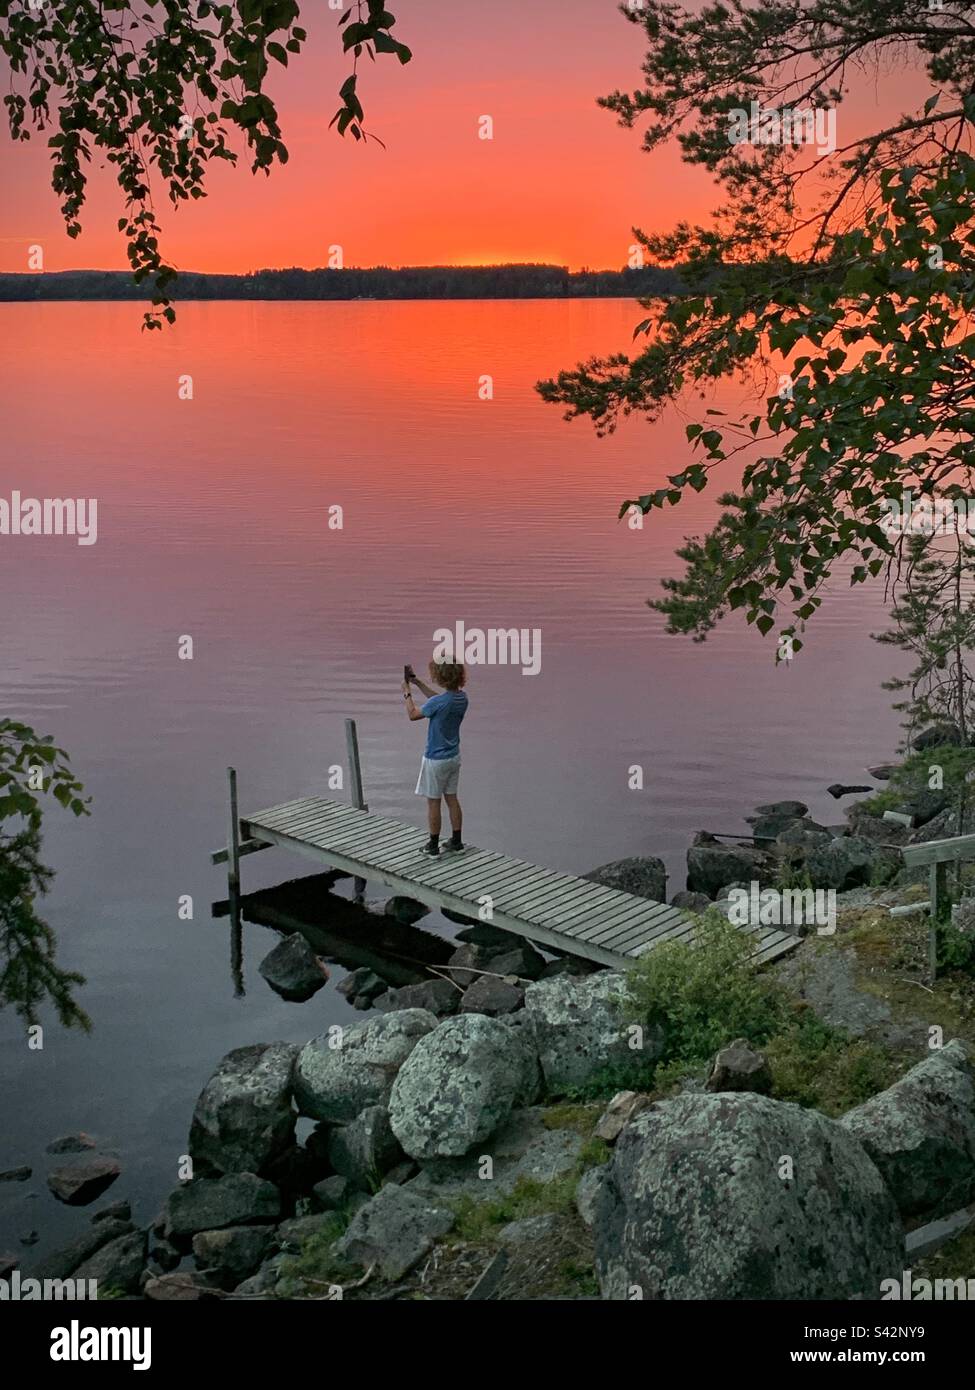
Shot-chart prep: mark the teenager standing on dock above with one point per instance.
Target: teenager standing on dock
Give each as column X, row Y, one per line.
column 440, row 768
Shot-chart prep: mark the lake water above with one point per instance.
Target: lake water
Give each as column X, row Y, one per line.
column 213, row 523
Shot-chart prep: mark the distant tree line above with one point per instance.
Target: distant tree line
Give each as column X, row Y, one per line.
column 379, row 282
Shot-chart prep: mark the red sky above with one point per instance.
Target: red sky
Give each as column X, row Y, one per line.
column 560, row 181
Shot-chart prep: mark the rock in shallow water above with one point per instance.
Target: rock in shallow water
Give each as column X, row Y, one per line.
column 78, row 1184
column 698, row 1203
column 293, row 970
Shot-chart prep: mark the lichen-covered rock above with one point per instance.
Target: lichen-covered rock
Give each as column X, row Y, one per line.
column 243, row 1119
column 460, row 1083
column 737, row 1196
column 341, row 1072
column 645, row 876
column 920, row 1133
column 77, row 1184
column 365, row 1148
column 580, row 1031
column 394, row 1231
column 843, row 863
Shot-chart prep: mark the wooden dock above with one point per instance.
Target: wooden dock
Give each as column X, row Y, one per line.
column 557, row 911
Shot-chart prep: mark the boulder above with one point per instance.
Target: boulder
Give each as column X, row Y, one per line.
column 781, row 808
column 394, row 1231
column 80, row 1183
column 405, row 910
column 16, row 1174
column 460, row 1083
column 467, row 962
column 838, row 789
column 618, row 1114
column 233, row 1254
column 117, row 1266
column 802, row 837
column 521, row 960
column 77, row 1143
column 115, row 1211
column 644, row 876
column 293, row 970
column 61, row 1264
column 587, row 1195
column 292, row 1234
column 209, row 1204
column 844, row 863
column 580, row 1031
column 365, row 1148
column 331, row 1193
column 439, row 997
column 339, row 1073
column 711, row 864
column 691, row 902
column 492, row 997
column 523, row 1150
column 243, row 1119
column 484, row 934
column 362, row 984
column 696, row 1204
column 770, row 827
column 738, row 1067
column 920, row 1133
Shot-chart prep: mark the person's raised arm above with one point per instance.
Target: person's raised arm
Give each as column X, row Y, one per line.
column 411, row 708
column 423, row 687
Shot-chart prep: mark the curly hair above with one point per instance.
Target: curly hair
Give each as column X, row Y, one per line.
column 452, row 675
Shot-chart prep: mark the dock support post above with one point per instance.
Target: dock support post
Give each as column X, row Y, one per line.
column 233, row 840
column 937, row 887
column 355, row 790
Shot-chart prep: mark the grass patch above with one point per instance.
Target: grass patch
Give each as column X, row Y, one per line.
column 824, row 1068
column 303, row 1275
column 480, row 1221
column 956, row 1260
column 582, row 1119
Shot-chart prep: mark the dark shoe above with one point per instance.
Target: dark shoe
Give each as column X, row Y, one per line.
column 432, row 850
column 450, row 848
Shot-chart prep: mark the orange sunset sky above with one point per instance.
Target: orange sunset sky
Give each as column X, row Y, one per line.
column 560, row 182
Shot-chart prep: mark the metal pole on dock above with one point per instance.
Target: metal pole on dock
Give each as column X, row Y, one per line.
column 355, row 790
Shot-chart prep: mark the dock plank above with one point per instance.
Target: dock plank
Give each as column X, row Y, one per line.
column 553, row 909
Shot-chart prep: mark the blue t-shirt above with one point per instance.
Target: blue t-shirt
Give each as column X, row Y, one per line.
column 445, row 713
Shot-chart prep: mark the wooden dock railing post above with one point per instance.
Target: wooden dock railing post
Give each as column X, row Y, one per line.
column 233, row 840
column 355, row 771
column 355, row 790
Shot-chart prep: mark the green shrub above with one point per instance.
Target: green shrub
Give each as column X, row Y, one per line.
column 824, row 1068
column 702, row 995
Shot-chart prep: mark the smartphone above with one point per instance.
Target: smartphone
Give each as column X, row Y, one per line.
column 408, row 673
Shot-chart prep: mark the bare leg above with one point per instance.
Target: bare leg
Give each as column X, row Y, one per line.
column 433, row 815
column 454, row 811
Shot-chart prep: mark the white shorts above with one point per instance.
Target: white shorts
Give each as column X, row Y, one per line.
column 438, row 777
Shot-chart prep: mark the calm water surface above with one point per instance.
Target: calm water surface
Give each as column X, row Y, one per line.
column 213, row 523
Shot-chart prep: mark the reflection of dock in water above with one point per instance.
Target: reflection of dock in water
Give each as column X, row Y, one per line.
column 342, row 932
